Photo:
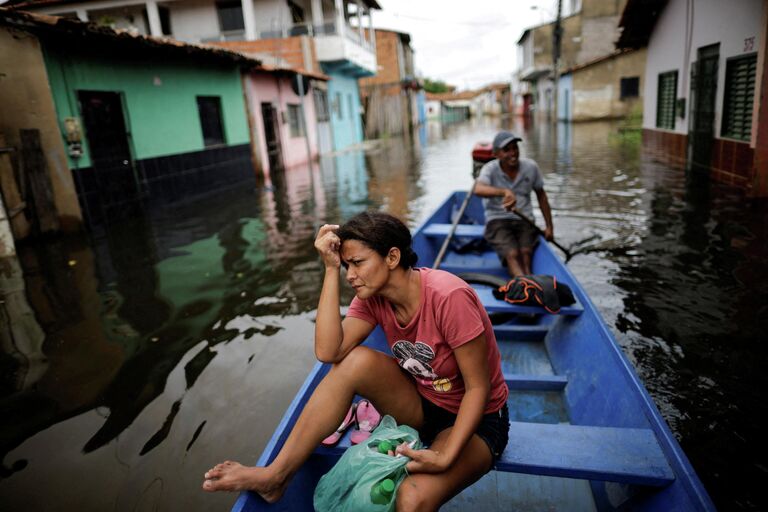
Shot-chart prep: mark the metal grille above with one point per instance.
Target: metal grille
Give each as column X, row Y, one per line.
column 665, row 106
column 739, row 97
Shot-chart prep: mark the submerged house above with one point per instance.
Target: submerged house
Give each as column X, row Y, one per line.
column 451, row 107
column 705, row 96
column 119, row 120
column 494, row 99
column 283, row 117
column 393, row 98
column 332, row 32
column 590, row 66
column 608, row 87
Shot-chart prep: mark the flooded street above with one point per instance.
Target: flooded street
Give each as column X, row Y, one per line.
column 178, row 339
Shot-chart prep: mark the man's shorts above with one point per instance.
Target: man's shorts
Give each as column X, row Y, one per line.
column 505, row 235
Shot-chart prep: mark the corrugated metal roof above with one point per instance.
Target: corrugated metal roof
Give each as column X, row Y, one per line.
column 451, row 96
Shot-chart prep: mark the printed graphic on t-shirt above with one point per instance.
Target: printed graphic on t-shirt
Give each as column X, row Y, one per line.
column 415, row 357
column 442, row 385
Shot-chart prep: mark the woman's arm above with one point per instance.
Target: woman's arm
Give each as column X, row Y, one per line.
column 472, row 358
column 334, row 338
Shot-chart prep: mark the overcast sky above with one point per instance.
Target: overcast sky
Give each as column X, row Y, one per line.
column 467, row 44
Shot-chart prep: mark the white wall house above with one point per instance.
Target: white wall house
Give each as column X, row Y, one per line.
column 704, row 77
column 433, row 109
column 735, row 27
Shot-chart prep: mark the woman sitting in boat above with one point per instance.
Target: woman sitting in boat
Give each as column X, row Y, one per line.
column 445, row 379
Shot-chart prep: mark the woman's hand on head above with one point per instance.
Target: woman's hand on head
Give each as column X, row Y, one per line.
column 424, row 461
column 328, row 245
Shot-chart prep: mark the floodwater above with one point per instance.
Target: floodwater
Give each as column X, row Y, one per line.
column 160, row 346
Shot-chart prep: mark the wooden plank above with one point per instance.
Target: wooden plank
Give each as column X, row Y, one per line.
column 625, row 455
column 536, row 382
column 14, row 204
column 462, row 230
column 520, row 332
column 40, row 187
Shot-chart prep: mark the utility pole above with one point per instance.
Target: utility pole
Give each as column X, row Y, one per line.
column 557, row 36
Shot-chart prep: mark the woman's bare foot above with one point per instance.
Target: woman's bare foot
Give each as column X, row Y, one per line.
column 232, row 476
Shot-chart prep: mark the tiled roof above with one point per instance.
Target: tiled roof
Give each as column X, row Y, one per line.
column 73, row 28
column 451, row 96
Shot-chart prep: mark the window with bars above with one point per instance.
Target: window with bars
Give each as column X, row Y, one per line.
column 665, row 100
column 321, row 105
column 209, row 108
column 230, row 16
column 739, row 97
column 294, row 121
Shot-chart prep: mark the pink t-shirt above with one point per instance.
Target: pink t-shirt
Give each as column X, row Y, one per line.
column 450, row 314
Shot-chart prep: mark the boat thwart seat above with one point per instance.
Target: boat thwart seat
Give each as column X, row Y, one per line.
column 494, row 305
column 462, row 230
column 625, row 455
column 491, row 304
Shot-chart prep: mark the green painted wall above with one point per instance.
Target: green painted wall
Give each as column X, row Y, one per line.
column 159, row 95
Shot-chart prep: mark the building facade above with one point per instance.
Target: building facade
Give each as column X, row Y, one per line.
column 609, row 87
column 337, row 29
column 589, row 28
column 705, row 92
column 391, row 97
column 124, row 121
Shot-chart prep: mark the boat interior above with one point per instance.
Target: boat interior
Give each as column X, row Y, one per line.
column 584, row 433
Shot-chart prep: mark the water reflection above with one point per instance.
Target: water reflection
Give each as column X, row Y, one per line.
column 21, row 337
column 178, row 338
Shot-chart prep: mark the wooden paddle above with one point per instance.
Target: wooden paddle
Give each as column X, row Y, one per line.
column 567, row 253
column 448, row 238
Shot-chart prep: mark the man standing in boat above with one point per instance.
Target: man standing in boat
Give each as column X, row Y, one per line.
column 505, row 184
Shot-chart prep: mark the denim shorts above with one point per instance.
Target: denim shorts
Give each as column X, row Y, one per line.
column 493, row 428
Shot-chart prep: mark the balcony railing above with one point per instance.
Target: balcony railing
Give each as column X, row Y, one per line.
column 327, row 28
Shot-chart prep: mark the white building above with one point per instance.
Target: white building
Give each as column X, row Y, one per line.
column 704, row 72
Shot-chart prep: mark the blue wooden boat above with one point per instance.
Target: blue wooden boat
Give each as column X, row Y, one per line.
column 585, row 434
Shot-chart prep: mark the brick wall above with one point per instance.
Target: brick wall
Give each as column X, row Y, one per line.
column 386, row 57
column 288, row 49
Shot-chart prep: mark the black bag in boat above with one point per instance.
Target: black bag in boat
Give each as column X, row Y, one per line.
column 539, row 290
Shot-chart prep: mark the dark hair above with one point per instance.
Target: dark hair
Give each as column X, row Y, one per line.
column 381, row 232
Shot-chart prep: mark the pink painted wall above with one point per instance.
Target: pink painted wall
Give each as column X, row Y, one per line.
column 265, row 87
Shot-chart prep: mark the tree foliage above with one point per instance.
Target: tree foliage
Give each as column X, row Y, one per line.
column 437, row 86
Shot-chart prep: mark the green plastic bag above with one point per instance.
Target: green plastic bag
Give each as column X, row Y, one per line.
column 347, row 486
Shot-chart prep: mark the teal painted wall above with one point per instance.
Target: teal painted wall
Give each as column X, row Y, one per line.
column 159, row 96
column 346, row 125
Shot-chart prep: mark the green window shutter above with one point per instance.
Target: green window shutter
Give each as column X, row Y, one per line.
column 739, row 97
column 665, row 101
